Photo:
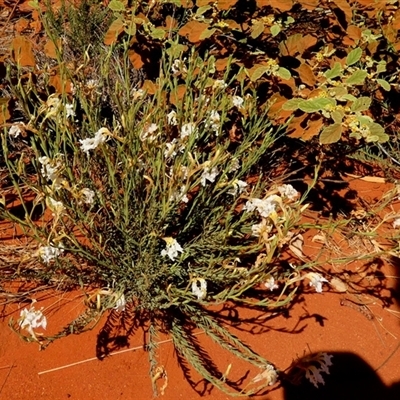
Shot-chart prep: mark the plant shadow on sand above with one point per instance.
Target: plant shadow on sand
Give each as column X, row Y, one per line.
column 350, row 378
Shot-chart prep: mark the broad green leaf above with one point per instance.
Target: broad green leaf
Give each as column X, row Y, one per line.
column 385, row 85
column 357, row 78
column 258, row 73
column 334, row 72
column 361, row 104
column 338, row 91
column 378, row 133
column 257, row 29
column 157, row 33
column 331, row 134
column 292, row 104
column 337, row 116
column 353, row 56
column 207, row 33
column 116, row 6
column 347, row 97
column 201, row 10
column 284, row 73
column 316, row 104
column 275, row 29
column 364, row 119
column 130, row 28
column 381, row 67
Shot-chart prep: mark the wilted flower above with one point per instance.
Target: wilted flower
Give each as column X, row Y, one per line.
column 238, row 187
column 172, row 249
column 31, row 319
column 270, row 284
column 15, row 130
column 171, row 118
column 269, row 375
column 187, row 129
column 237, row 101
column 288, row 191
column 93, row 143
column 209, row 175
column 316, row 280
column 48, row 253
column 200, row 292
column 148, row 133
column 87, row 195
column 120, row 304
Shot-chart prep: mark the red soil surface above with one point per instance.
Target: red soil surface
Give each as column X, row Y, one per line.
column 364, row 341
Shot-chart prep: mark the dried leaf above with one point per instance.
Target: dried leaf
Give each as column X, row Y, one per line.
column 225, row 4
column 306, row 74
column 296, row 246
column 281, row 5
column 113, row 32
column 345, row 7
column 50, row 49
column 135, row 59
column 4, row 112
column 193, row 30
column 338, row 285
column 313, row 128
column 22, row 51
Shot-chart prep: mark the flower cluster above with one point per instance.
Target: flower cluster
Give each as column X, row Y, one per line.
column 48, row 253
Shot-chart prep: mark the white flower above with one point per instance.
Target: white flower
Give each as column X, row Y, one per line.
column 219, row 84
column 172, row 249
column 269, row 374
column 187, row 129
column 208, row 175
column 238, row 187
column 87, row 195
column 200, row 292
column 31, row 319
column 56, row 206
column 237, row 101
column 178, row 66
column 137, row 94
column 180, row 196
column 93, row 143
column 48, row 253
column 69, row 110
column 316, row 280
column 170, row 152
column 214, row 121
column 171, row 118
column 120, row 304
column 288, row 191
column 270, row 284
column 313, row 373
column 396, row 223
column 48, row 171
column 15, row 130
column 235, row 165
column 260, row 229
column 148, row 133
column 265, row 207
